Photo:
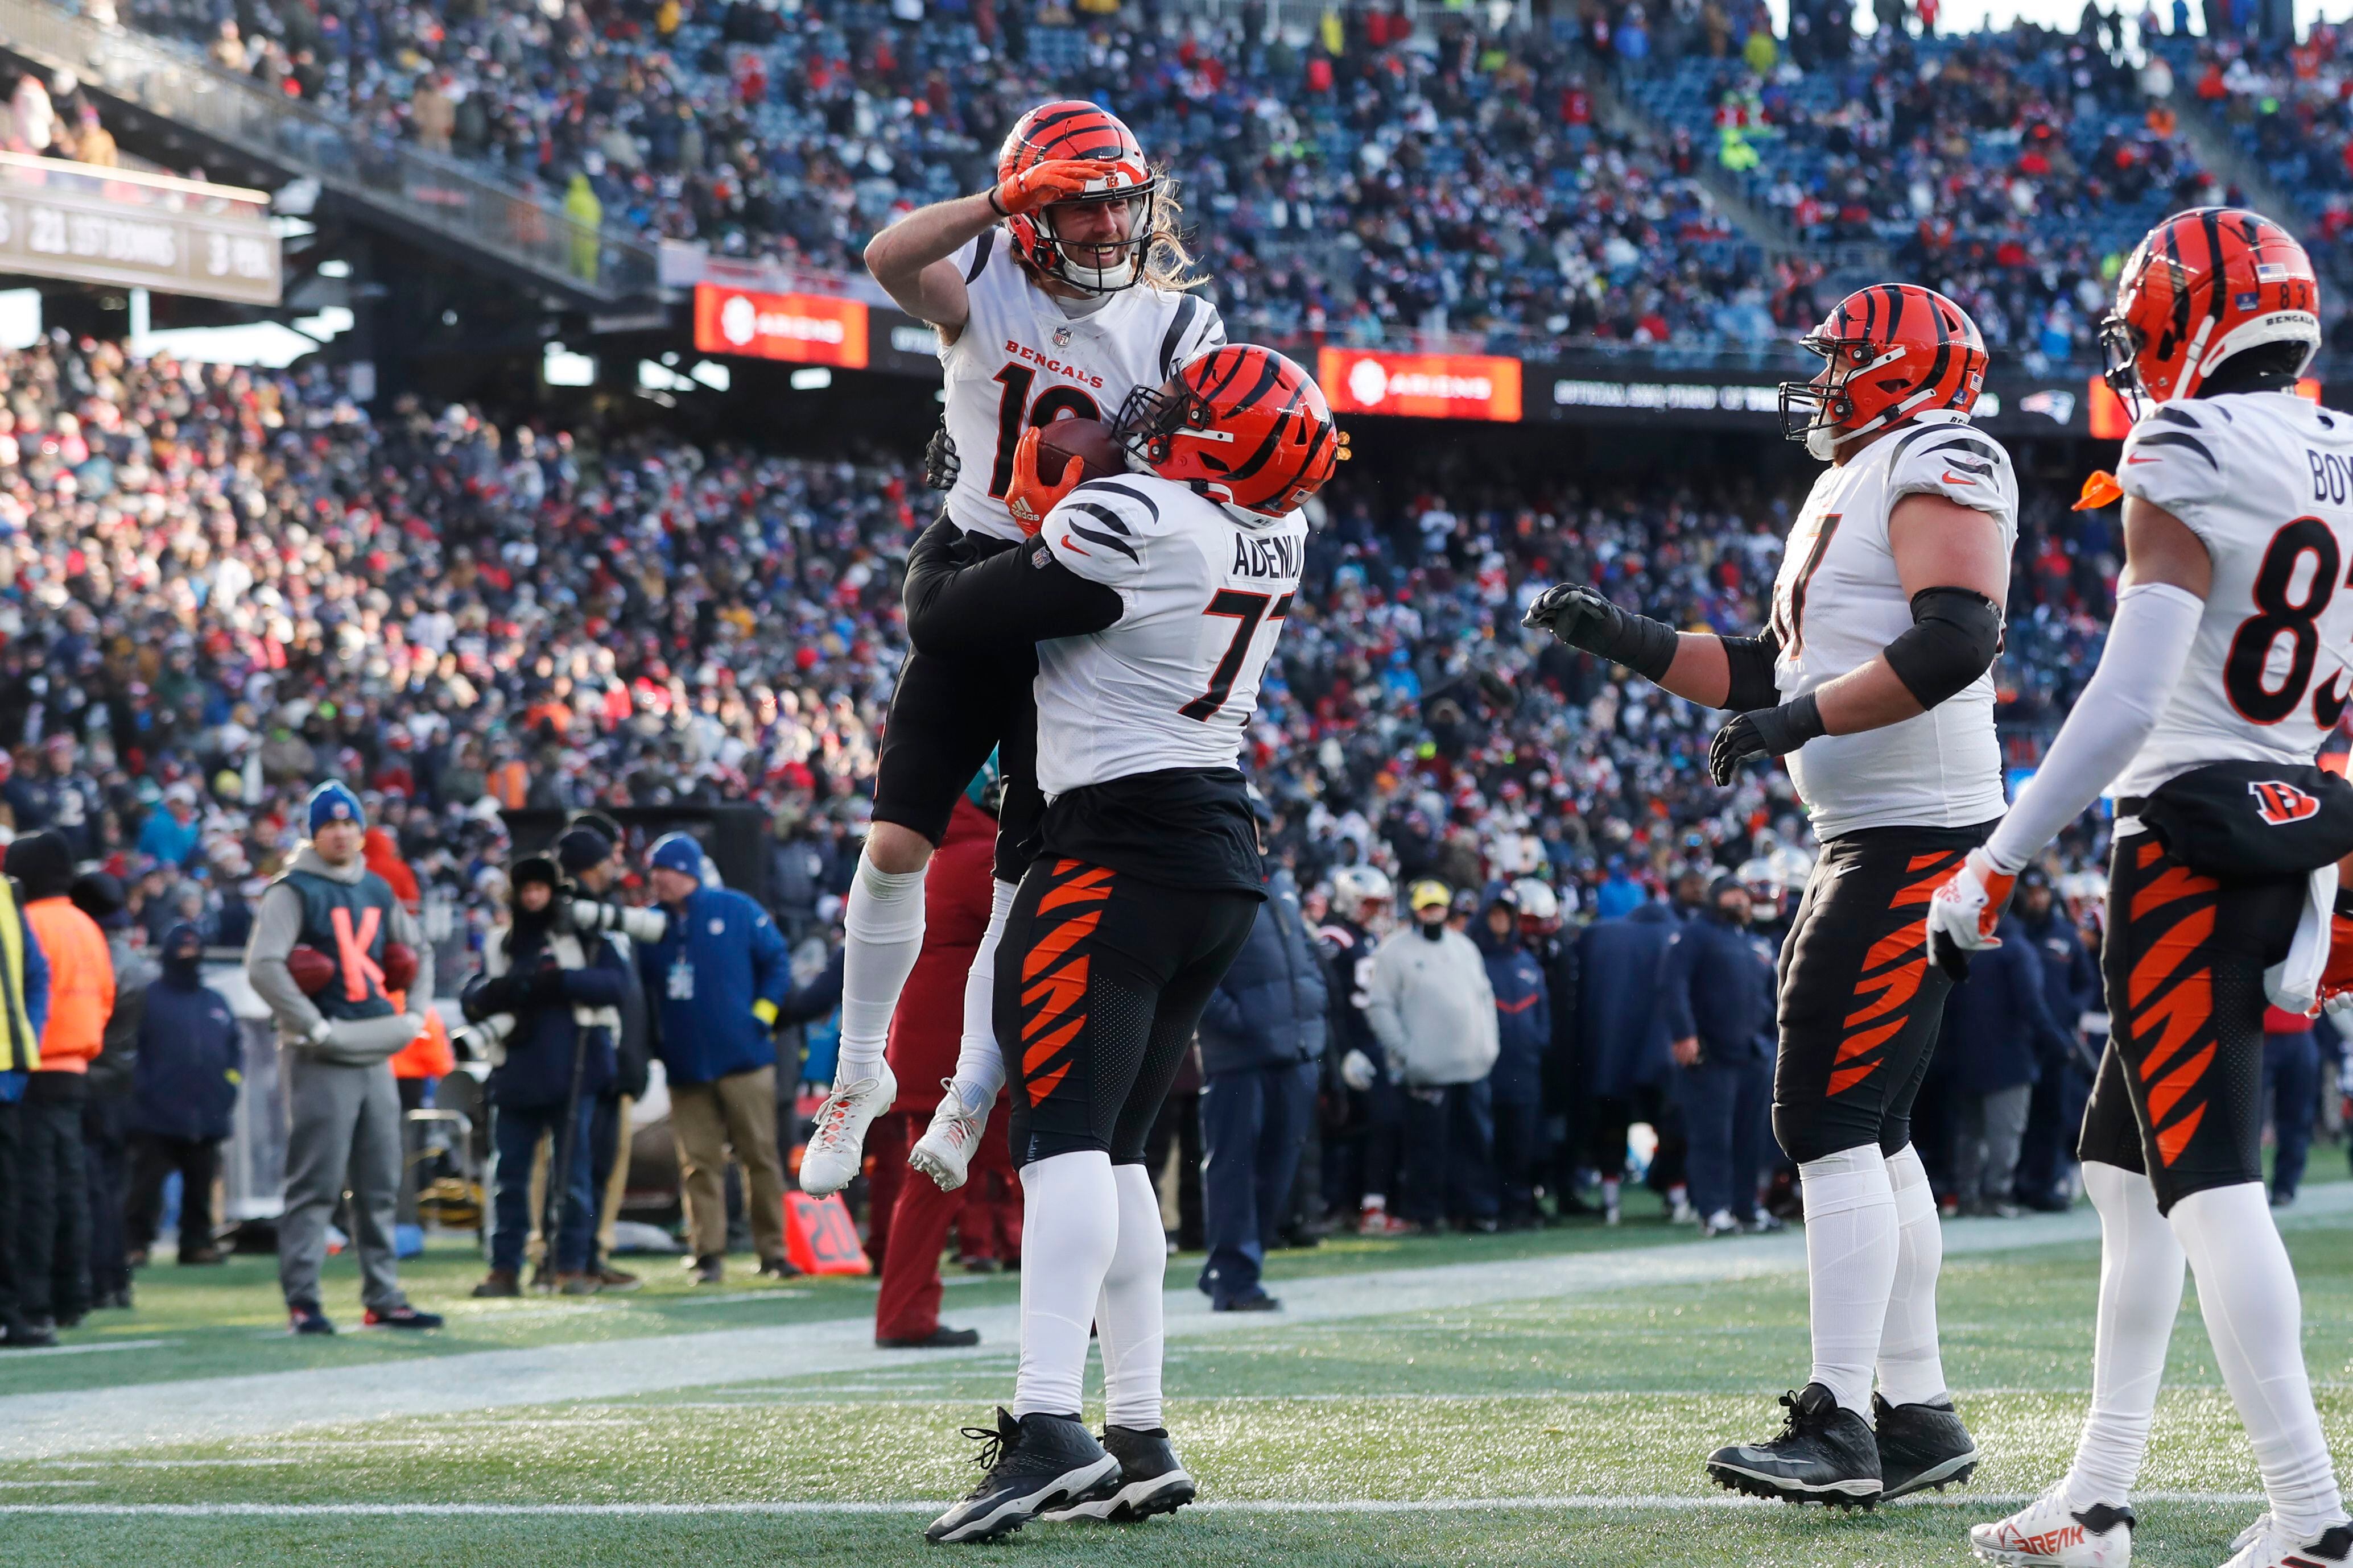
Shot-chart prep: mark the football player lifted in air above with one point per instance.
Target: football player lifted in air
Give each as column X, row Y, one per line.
column 1161, row 593
column 1871, row 680
column 2224, row 669
column 1056, row 293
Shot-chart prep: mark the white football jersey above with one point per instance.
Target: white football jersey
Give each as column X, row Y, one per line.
column 1021, row 360
column 2265, row 480
column 1173, row 682
column 1838, row 602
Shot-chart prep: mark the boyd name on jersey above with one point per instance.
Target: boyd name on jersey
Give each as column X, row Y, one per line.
column 1839, row 601
column 1023, row 359
column 2265, row 479
column 1173, row 682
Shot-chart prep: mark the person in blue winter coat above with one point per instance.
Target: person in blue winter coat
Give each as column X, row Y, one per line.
column 547, row 1006
column 2071, row 988
column 1262, row 1039
column 1522, row 1037
column 1718, row 984
column 184, row 1092
column 1998, row 1039
column 1622, row 1033
column 717, row 973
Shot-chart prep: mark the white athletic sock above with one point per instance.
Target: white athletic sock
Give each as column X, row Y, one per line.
column 1127, row 1319
column 1911, row 1369
column 1069, row 1234
column 980, row 1065
column 883, row 930
column 2141, row 1270
column 2247, row 1292
column 1849, row 1266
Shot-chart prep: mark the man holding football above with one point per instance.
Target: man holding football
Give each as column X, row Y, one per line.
column 1056, row 293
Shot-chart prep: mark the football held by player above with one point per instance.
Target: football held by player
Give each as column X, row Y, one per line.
column 1055, row 293
column 1160, row 594
column 2224, row 670
column 1872, row 680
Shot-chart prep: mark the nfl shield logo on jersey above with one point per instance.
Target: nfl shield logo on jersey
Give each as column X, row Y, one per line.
column 2279, row 803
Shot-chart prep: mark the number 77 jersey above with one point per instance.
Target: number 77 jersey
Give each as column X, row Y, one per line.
column 2265, row 479
column 1173, row 682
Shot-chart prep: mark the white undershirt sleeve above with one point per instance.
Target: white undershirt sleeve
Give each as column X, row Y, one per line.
column 2149, row 643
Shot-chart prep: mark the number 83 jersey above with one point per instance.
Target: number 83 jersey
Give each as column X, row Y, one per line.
column 1173, row 682
column 1022, row 359
column 2265, row 479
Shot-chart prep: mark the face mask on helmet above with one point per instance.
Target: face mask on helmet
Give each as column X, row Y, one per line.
column 1104, row 265
column 1824, row 403
column 1241, row 424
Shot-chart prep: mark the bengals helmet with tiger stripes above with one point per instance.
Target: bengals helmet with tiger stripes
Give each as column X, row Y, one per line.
column 1894, row 350
column 2201, row 286
column 1074, row 130
column 1241, row 424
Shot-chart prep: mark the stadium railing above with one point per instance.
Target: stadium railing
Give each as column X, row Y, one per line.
column 402, row 184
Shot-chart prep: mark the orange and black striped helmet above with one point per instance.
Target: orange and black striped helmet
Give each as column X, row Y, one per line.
column 2201, row 286
column 1241, row 424
column 1073, row 129
column 1895, row 349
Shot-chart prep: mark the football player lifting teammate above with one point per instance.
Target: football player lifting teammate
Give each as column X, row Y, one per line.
column 1056, row 293
column 1871, row 679
column 1160, row 594
column 2224, row 669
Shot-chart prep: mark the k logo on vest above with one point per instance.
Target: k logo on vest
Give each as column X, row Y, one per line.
column 2279, row 804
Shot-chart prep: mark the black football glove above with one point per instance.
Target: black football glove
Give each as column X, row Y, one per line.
column 1580, row 616
column 941, row 464
column 1763, row 732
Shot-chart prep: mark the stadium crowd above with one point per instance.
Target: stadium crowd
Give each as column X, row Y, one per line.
column 1378, row 176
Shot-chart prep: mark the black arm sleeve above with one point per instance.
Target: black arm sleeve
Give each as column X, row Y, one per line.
column 1016, row 595
column 1752, row 660
column 1955, row 635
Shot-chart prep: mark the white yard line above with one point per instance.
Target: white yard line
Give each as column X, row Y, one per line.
column 35, row 1426
column 1661, row 1502
column 93, row 1348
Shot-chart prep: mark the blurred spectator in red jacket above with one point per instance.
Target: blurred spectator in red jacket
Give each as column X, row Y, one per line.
column 910, row 1217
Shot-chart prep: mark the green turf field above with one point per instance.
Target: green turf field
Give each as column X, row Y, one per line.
column 1418, row 1405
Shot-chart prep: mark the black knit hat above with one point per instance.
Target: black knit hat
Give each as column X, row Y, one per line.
column 44, row 863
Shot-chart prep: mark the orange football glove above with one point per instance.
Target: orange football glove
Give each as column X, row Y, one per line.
column 1044, row 185
column 1029, row 498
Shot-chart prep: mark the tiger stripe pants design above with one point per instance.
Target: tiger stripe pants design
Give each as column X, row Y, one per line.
column 1099, row 987
column 2180, row 1093
column 1860, row 1002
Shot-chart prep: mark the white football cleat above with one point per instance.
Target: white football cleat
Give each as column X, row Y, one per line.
column 2047, row 1533
column 2263, row 1545
column 837, row 1147
column 944, row 1151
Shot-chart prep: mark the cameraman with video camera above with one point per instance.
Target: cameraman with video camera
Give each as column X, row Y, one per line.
column 546, row 1009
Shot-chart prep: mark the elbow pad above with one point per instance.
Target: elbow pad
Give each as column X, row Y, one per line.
column 1751, row 662
column 1954, row 635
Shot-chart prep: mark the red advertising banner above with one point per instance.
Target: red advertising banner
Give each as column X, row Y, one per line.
column 1427, row 386
column 807, row 329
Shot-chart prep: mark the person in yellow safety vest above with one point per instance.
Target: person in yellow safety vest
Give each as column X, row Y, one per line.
column 24, row 1016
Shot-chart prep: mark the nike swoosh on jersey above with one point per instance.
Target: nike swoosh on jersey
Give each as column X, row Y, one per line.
column 1072, row 548
column 2137, row 459
column 1953, row 478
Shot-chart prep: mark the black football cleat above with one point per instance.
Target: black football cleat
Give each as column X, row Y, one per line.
column 1825, row 1454
column 1034, row 1463
column 1151, row 1480
column 1921, row 1446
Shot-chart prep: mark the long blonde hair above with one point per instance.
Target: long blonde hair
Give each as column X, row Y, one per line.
column 1168, row 264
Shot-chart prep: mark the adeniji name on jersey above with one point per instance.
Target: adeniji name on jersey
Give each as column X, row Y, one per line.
column 2265, row 479
column 1021, row 360
column 1172, row 683
column 1838, row 602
